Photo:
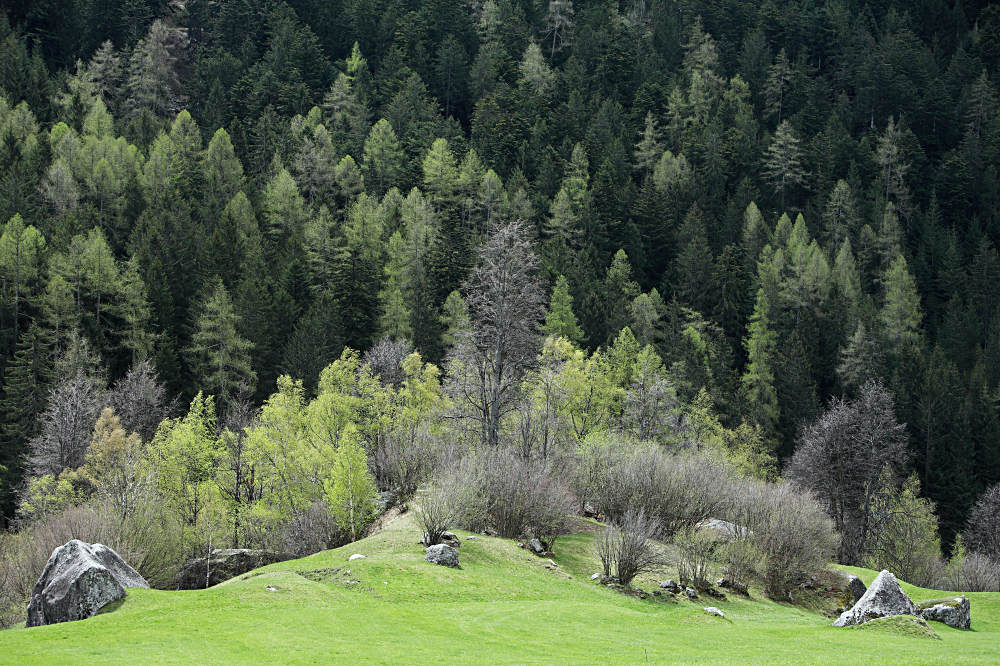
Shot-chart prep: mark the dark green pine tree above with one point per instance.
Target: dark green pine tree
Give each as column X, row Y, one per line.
column 26, row 380
column 694, row 266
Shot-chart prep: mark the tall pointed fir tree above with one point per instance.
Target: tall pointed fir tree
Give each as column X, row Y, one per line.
column 26, row 385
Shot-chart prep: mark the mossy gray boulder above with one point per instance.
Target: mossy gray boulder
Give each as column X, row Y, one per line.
column 884, row 598
column 223, row 564
column 953, row 611
column 78, row 581
column 442, row 554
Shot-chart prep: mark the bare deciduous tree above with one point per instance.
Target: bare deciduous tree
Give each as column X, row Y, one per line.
column 841, row 458
column 982, row 535
column 140, row 401
column 66, row 425
column 385, row 358
column 506, row 304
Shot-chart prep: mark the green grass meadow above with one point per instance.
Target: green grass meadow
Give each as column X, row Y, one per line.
column 502, row 606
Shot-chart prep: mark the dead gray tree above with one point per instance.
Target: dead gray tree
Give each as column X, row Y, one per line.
column 506, row 303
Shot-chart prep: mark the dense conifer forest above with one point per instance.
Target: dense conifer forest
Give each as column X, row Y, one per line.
column 731, row 218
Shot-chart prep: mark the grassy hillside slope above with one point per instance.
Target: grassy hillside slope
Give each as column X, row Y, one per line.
column 504, row 605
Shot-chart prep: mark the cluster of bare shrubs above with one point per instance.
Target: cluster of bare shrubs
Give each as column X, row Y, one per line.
column 499, row 491
column 628, row 546
column 776, row 535
column 678, row 489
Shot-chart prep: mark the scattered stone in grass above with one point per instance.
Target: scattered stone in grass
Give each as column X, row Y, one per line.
column 712, row 610
column 670, row 586
column 356, row 556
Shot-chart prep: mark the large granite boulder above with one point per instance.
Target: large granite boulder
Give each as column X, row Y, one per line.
column 223, row 564
column 885, row 598
column 442, row 554
column 79, row 580
column 955, row 612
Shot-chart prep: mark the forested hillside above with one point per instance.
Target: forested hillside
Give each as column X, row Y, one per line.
column 783, row 200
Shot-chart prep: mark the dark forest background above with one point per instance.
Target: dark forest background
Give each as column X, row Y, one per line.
column 786, row 199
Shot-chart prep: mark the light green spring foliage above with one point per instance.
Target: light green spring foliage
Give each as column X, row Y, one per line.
column 186, row 452
column 349, row 491
column 560, row 320
column 758, row 381
column 218, row 352
column 901, row 314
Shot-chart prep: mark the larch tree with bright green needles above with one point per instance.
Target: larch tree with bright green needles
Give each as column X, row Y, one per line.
column 645, row 317
column 221, row 174
column 901, row 314
column 454, row 318
column 560, row 320
column 847, row 278
column 783, row 161
column 535, row 71
column 383, row 157
column 649, row 149
column 758, row 380
column 285, row 211
column 755, row 235
column 350, row 489
column 21, row 263
column 134, row 309
column 218, row 353
column 440, row 173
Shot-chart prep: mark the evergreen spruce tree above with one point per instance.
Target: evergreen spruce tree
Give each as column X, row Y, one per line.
column 26, row 384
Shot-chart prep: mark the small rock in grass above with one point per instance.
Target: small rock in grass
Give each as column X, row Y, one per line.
column 537, row 547
column 712, row 610
column 670, row 586
column 356, row 556
column 442, row 554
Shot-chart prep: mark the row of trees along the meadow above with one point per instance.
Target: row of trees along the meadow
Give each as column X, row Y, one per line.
column 781, row 204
